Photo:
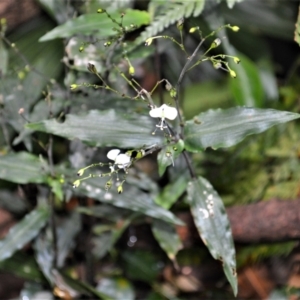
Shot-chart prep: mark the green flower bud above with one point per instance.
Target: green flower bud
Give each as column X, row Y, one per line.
column 236, row 60
column 76, row 183
column 80, row 172
column 193, row 29
column 101, row 11
column 173, row 93
column 215, row 43
column 217, row 65
column 131, row 70
column 235, row 28
column 148, row 41
column 107, row 44
column 232, row 74
column 180, row 24
column 108, row 185
column 92, row 68
column 120, row 189
column 81, row 48
column 73, row 86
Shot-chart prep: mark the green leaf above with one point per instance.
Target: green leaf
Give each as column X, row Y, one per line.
column 23, row 232
column 97, row 24
column 117, row 288
column 213, row 225
column 225, row 128
column 131, row 198
column 231, row 3
column 171, row 192
column 21, row 168
column 3, row 58
column 246, row 88
column 297, row 29
column 167, row 156
column 103, row 128
column 167, row 238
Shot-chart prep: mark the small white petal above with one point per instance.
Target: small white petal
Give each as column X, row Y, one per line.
column 164, row 112
column 122, row 160
column 112, row 154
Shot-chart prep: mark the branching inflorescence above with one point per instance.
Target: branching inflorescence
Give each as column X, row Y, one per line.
column 165, row 113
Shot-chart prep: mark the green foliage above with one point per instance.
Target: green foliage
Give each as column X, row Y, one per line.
column 96, row 119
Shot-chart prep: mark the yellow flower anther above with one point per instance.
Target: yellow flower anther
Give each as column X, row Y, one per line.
column 73, row 86
column 148, row 41
column 235, row 28
column 193, row 29
column 76, row 183
column 232, row 74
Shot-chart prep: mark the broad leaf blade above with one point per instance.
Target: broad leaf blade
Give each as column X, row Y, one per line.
column 97, row 24
column 23, row 232
column 167, row 238
column 132, row 198
column 213, row 225
column 225, row 128
column 21, row 168
column 103, row 128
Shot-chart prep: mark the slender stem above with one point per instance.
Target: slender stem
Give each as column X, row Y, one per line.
column 157, row 62
column 53, row 229
column 189, row 164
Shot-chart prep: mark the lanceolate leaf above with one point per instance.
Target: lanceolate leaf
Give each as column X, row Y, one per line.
column 213, row 225
column 97, row 24
column 167, row 237
column 103, row 128
column 23, row 232
column 225, row 128
column 132, row 198
column 297, row 29
column 22, row 168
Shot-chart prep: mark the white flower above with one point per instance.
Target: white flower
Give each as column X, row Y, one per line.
column 121, row 160
column 163, row 112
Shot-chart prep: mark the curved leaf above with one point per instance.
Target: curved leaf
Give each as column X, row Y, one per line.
column 167, row 237
column 21, row 168
column 225, row 128
column 213, row 225
column 297, row 29
column 23, row 232
column 132, row 198
column 103, row 128
column 97, row 23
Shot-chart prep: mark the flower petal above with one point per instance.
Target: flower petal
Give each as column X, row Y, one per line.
column 155, row 112
column 113, row 153
column 165, row 112
column 170, row 112
column 122, row 160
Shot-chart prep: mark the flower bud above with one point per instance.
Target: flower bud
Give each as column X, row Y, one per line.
column 120, row 189
column 235, row 28
column 76, row 183
column 107, row 44
column 73, row 86
column 81, row 48
column 101, row 11
column 131, row 70
column 148, row 41
column 80, row 172
column 180, row 24
column 216, row 43
column 232, row 74
column 236, row 60
column 193, row 29
column 92, row 68
column 217, row 65
column 173, row 93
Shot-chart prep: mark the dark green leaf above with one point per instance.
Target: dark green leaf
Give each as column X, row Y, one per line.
column 171, row 192
column 103, row 128
column 225, row 128
column 23, row 266
column 141, row 265
column 131, row 198
column 97, row 24
column 116, row 288
column 23, row 232
column 213, row 225
column 21, row 168
column 167, row 238
column 167, row 156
